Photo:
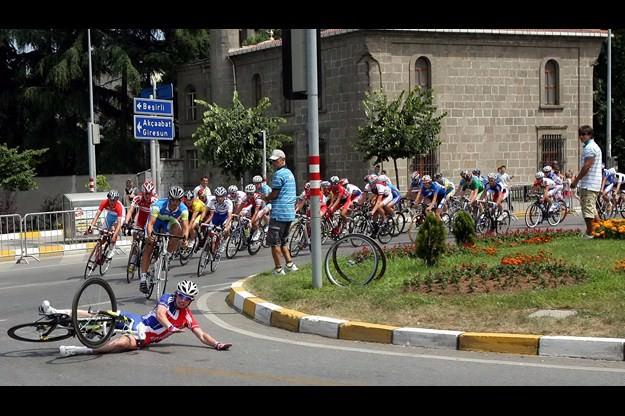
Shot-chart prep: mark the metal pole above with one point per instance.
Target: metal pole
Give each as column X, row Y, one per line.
column 264, row 154
column 90, row 145
column 608, row 146
column 314, row 174
column 154, row 150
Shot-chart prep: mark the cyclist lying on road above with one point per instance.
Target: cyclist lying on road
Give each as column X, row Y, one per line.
column 171, row 315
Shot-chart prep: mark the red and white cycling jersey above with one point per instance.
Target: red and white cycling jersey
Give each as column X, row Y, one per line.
column 306, row 196
column 253, row 203
column 143, row 212
column 179, row 318
column 378, row 188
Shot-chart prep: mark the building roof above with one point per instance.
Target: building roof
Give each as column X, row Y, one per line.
column 587, row 33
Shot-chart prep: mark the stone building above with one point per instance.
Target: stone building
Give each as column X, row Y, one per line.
column 514, row 97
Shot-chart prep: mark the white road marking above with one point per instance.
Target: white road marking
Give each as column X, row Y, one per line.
column 203, row 301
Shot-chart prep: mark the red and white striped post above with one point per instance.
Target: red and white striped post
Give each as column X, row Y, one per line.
column 91, row 184
column 314, row 174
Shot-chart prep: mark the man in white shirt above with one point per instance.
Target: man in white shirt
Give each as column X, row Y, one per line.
column 204, row 186
column 589, row 178
column 504, row 178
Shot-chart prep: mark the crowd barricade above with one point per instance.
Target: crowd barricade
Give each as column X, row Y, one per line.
column 56, row 232
column 10, row 236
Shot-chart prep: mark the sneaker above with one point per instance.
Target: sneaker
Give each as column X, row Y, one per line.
column 292, row 268
column 256, row 235
column 587, row 236
column 46, row 308
column 222, row 346
column 279, row 271
column 143, row 287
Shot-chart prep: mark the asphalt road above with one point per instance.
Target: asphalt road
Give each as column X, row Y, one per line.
column 261, row 355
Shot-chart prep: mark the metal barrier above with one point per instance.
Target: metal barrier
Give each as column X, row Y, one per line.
column 10, row 236
column 57, row 231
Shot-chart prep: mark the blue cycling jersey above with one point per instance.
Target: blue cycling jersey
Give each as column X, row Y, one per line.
column 435, row 188
column 160, row 210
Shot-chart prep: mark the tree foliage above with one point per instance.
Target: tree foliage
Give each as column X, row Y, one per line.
column 228, row 137
column 17, row 169
column 400, row 128
column 431, row 240
column 44, row 89
column 618, row 97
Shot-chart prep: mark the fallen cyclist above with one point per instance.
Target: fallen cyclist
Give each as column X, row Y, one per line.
column 171, row 315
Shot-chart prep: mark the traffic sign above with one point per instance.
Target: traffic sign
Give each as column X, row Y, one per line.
column 152, row 106
column 153, row 127
column 164, row 92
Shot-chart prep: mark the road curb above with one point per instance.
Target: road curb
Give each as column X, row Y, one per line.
column 270, row 314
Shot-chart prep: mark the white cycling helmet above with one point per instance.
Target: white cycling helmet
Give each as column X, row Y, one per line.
column 220, row 191
column 383, row 178
column 257, row 179
column 176, row 192
column 372, row 178
column 148, row 187
column 250, row 188
column 113, row 194
column 307, row 185
column 540, row 175
column 232, row 189
column 325, row 184
column 187, row 288
column 547, row 169
column 427, row 179
column 415, row 175
column 334, row 180
column 492, row 175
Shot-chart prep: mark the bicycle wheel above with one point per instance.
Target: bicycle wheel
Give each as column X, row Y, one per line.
column 400, row 224
column 216, row 256
column 91, row 309
column 187, row 252
column 233, row 243
column 344, row 267
column 533, row 215
column 503, row 222
column 105, row 261
column 161, row 275
column 413, row 229
column 92, row 260
column 483, row 224
column 205, row 257
column 132, row 261
column 40, row 332
column 295, row 243
column 385, row 233
column 255, row 242
column 554, row 216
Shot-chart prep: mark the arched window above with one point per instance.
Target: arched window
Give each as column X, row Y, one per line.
column 552, row 91
column 257, row 88
column 422, row 69
column 190, row 96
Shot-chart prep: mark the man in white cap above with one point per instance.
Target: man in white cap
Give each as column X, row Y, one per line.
column 282, row 198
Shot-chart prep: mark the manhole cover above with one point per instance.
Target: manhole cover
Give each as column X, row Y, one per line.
column 553, row 313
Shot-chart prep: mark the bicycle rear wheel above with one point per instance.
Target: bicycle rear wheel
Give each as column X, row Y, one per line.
column 503, row 222
column 92, row 324
column 106, row 262
column 131, row 268
column 295, row 240
column 554, row 216
column 205, row 258
column 161, row 276
column 344, row 266
column 40, row 332
column 533, row 215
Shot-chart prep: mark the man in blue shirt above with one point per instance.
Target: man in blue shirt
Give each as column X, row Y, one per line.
column 282, row 198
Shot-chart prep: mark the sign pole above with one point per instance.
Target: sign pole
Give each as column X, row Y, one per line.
column 90, row 145
column 156, row 155
column 314, row 173
column 264, row 155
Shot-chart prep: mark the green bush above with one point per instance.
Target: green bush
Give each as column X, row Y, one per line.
column 101, row 184
column 431, row 240
column 463, row 229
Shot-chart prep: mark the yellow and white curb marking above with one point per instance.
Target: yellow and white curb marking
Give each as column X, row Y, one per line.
column 270, row 314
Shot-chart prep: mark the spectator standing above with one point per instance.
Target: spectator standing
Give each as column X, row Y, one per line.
column 282, row 198
column 129, row 193
column 589, row 178
column 203, row 186
column 504, row 178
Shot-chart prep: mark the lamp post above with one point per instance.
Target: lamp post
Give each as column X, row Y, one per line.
column 608, row 146
column 90, row 144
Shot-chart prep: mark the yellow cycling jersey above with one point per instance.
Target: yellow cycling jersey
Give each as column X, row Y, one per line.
column 197, row 205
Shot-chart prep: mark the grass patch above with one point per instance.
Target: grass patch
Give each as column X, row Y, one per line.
column 598, row 300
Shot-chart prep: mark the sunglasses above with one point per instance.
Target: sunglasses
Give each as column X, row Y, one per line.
column 185, row 297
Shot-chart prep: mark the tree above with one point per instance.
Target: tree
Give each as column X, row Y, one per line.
column 228, row 137
column 600, row 76
column 44, row 84
column 400, row 128
column 17, row 170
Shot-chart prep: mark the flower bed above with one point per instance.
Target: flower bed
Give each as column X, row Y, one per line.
column 527, row 236
column 515, row 273
column 614, row 229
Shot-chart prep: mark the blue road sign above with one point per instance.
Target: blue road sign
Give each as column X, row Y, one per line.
column 152, row 127
column 163, row 92
column 152, row 106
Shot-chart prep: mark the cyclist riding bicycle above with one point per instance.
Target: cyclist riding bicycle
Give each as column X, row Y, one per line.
column 433, row 194
column 198, row 213
column 166, row 216
column 220, row 210
column 112, row 221
column 261, row 185
column 496, row 189
column 171, row 315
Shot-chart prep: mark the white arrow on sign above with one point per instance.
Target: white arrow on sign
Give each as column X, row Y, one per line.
column 138, row 106
column 139, row 125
